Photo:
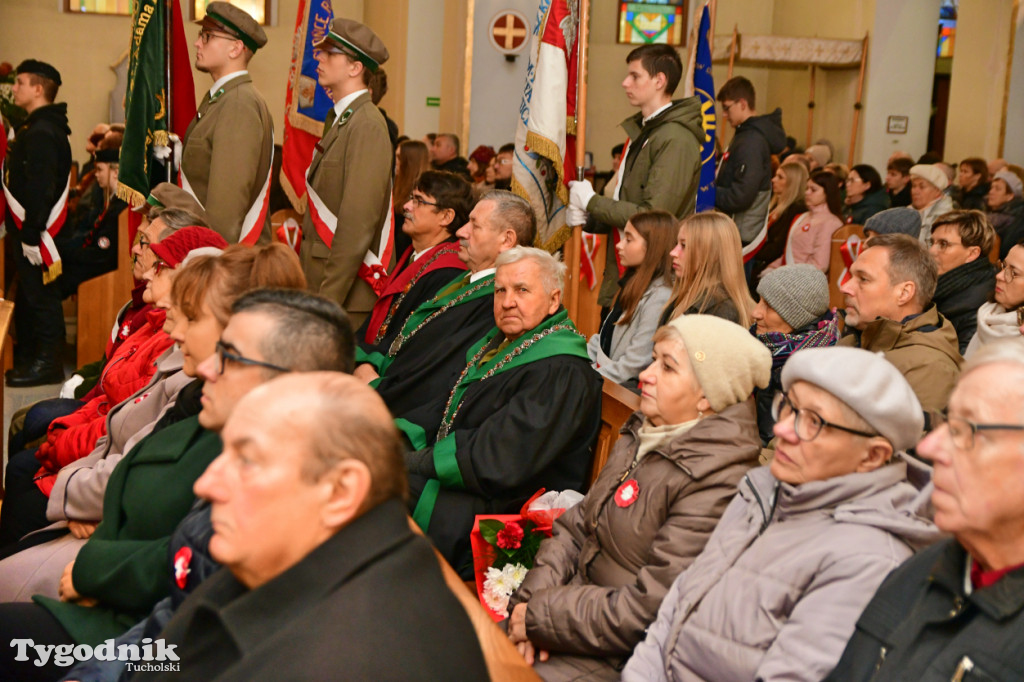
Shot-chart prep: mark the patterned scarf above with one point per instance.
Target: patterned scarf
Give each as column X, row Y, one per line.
column 824, row 332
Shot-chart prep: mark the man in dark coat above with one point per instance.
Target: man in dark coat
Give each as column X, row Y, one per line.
column 444, row 155
column 323, row 576
column 523, row 414
column 95, row 250
column 423, row 361
column 743, row 186
column 438, row 205
column 960, row 244
column 36, row 177
column 956, row 610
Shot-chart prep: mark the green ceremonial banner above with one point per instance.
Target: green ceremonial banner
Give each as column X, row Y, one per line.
column 145, row 102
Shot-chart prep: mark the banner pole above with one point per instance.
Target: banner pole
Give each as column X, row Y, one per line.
column 573, row 250
column 857, row 105
column 168, row 40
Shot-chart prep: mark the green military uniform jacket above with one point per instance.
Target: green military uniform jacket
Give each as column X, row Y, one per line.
column 351, row 173
column 230, row 142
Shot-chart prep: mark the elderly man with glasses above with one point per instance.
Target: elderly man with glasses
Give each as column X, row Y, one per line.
column 956, row 610
column 777, row 590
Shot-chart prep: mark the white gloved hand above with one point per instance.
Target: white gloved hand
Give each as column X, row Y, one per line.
column 68, row 389
column 575, row 216
column 33, row 254
column 580, row 193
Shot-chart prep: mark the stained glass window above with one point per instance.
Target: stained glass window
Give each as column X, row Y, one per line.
column 657, row 21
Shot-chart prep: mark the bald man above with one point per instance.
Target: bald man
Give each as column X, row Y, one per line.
column 321, row 570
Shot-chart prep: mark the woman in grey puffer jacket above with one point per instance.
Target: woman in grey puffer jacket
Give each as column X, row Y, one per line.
column 798, row 554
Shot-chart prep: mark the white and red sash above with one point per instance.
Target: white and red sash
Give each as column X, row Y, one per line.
column 54, row 222
column 373, row 270
column 252, row 223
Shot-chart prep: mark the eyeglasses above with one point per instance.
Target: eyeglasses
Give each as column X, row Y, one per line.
column 807, row 423
column 204, row 36
column 961, row 431
column 223, row 354
column 420, row 201
column 1008, row 272
column 945, row 244
column 160, row 265
column 727, row 107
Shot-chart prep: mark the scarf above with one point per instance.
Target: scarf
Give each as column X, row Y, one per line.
column 651, row 437
column 962, row 277
column 824, row 332
column 994, row 322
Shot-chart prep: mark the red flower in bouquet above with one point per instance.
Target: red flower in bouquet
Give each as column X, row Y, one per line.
column 511, row 536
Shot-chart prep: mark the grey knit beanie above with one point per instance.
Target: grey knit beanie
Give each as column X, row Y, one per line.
column 798, row 293
column 902, row 220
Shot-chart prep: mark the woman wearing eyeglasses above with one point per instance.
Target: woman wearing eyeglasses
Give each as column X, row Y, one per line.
column 801, row 549
column 162, row 415
column 142, row 356
column 597, row 583
column 1003, row 317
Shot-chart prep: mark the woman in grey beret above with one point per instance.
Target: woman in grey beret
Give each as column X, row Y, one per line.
column 801, row 549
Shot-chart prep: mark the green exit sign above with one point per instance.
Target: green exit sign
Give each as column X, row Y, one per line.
column 433, row 101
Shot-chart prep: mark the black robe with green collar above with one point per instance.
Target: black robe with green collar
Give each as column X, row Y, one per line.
column 531, row 426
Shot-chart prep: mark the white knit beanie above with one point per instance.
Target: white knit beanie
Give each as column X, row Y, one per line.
column 727, row 360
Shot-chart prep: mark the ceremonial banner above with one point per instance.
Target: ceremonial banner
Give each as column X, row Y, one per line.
column 146, row 121
column 704, row 87
column 306, row 103
column 546, row 132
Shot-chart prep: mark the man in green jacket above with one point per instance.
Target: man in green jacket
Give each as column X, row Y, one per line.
column 660, row 168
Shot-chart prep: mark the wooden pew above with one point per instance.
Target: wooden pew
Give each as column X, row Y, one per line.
column 503, row 660
column 100, row 299
column 617, row 403
column 836, row 263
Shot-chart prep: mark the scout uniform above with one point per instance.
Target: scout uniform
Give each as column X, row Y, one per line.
column 230, row 142
column 346, row 232
column 36, row 176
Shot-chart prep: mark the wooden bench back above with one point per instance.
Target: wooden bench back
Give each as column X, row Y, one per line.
column 100, row 299
column 837, row 266
column 617, row 404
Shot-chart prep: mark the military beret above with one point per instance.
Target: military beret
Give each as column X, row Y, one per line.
column 357, row 41
column 39, row 68
column 226, row 17
column 169, row 195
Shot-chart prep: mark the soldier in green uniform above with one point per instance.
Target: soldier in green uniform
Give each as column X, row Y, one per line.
column 346, row 233
column 229, row 145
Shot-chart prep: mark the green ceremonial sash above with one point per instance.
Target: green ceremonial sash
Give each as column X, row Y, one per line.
column 449, row 296
column 530, row 347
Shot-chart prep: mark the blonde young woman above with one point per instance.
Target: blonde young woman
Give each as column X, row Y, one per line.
column 788, row 186
column 708, row 265
column 623, row 347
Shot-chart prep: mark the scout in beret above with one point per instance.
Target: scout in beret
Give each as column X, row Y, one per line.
column 350, row 176
column 232, row 136
column 224, row 17
column 35, row 175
